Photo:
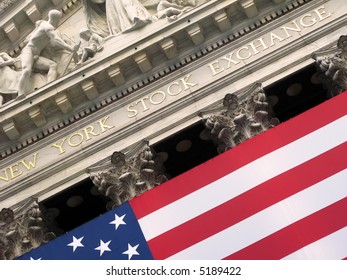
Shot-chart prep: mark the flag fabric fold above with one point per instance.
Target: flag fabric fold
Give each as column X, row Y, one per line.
column 279, row 195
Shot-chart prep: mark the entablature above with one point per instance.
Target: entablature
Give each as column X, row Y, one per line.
column 111, row 121
column 136, row 63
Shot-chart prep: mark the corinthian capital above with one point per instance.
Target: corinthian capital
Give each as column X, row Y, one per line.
column 22, row 230
column 239, row 119
column 332, row 66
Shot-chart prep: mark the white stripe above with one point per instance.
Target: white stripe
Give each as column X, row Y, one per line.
column 331, row 247
column 269, row 220
column 244, row 178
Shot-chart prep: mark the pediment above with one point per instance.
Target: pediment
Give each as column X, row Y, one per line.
column 129, row 62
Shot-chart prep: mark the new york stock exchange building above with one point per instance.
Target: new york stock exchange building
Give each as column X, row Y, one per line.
column 192, row 129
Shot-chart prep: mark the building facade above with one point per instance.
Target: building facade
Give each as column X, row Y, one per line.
column 120, row 98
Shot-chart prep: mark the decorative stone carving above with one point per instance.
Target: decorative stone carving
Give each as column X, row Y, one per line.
column 5, row 4
column 22, row 230
column 128, row 175
column 239, row 120
column 332, row 64
column 9, row 78
column 94, row 44
column 32, row 55
column 112, row 17
column 174, row 8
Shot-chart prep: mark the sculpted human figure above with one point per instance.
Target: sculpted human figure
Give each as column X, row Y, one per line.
column 9, row 77
column 94, row 45
column 112, row 17
column 44, row 35
column 172, row 10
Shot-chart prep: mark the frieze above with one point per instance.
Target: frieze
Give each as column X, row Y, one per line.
column 115, row 121
column 155, row 76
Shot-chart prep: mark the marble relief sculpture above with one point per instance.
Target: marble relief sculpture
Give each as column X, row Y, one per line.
column 113, row 17
column 94, row 44
column 333, row 65
column 47, row 56
column 174, row 8
column 9, row 78
column 32, row 58
column 22, row 230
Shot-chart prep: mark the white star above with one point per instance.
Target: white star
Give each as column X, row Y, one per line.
column 131, row 251
column 103, row 247
column 32, row 259
column 118, row 221
column 76, row 243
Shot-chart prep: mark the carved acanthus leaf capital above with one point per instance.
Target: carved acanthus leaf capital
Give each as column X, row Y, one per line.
column 22, row 230
column 332, row 66
column 239, row 119
column 129, row 174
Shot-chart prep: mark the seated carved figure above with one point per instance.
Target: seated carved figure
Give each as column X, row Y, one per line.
column 113, row 17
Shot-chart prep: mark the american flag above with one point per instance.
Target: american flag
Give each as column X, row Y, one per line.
column 280, row 195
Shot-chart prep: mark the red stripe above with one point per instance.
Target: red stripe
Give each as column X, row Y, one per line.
column 249, row 203
column 297, row 235
column 240, row 156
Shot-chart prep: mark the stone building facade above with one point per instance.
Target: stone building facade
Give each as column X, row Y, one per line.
column 134, row 82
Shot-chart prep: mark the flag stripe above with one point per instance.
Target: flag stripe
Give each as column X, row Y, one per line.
column 261, row 170
column 269, row 220
column 241, row 155
column 248, row 203
column 331, row 247
column 297, row 235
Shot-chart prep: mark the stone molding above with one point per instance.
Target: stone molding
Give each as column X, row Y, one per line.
column 231, row 38
column 332, row 66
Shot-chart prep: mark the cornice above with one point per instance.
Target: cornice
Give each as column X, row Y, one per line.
column 48, row 92
column 88, row 154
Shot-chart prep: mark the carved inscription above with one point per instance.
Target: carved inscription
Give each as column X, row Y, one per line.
column 79, row 137
column 165, row 94
column 144, row 104
column 19, row 168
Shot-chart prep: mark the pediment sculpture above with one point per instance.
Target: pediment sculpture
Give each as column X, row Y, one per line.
column 113, row 17
column 44, row 58
column 47, row 55
column 174, row 8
